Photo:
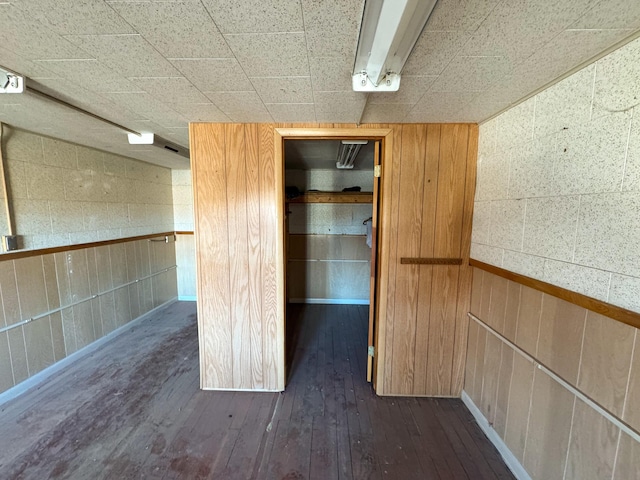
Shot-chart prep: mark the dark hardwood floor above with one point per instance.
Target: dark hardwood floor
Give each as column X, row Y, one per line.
column 133, row 409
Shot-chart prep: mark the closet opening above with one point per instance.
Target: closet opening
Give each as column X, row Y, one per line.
column 331, row 205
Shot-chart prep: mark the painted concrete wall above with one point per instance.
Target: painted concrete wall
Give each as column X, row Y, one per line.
column 558, row 189
column 558, row 199
column 185, row 244
column 65, row 194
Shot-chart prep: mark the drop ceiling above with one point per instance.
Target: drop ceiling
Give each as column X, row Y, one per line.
column 158, row 65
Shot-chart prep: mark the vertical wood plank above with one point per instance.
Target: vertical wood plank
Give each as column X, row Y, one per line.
column 425, row 272
column 465, row 277
column 448, row 227
column 255, row 265
column 210, row 204
column 409, row 233
column 268, row 243
column 236, row 170
column 389, row 241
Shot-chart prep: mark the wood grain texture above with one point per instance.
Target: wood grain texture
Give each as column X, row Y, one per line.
column 333, row 197
column 431, row 204
column 373, row 263
column 236, row 188
column 5, row 257
column 608, row 310
column 254, row 265
column 271, row 233
column 430, row 261
column 409, row 243
column 213, row 259
column 427, row 181
column 430, row 157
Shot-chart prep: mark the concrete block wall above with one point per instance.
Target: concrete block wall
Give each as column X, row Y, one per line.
column 558, row 190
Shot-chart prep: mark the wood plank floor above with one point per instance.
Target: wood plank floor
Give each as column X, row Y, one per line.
column 133, row 409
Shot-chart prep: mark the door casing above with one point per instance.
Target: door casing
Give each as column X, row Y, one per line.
column 385, row 136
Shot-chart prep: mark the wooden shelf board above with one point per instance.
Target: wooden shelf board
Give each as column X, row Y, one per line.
column 333, row 197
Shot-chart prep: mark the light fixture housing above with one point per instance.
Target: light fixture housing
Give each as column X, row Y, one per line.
column 389, row 31
column 11, row 82
column 348, row 152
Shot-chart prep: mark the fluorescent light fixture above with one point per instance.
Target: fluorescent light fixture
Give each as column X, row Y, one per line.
column 11, row 82
column 142, row 139
column 348, row 152
column 389, row 31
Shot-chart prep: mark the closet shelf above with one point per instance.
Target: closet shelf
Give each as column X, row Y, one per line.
column 333, row 197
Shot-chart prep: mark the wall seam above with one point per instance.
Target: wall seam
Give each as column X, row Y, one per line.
column 626, row 150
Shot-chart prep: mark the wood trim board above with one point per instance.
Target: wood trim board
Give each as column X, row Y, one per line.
column 79, row 246
column 612, row 311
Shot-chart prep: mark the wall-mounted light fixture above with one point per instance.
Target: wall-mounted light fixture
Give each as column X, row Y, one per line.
column 389, row 31
column 348, row 152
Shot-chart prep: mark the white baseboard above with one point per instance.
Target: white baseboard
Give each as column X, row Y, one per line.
column 41, row 376
column 187, row 298
column 509, row 458
column 331, row 301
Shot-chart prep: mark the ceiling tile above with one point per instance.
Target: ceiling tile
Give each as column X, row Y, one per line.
column 201, row 112
column 517, row 28
column 434, row 51
column 471, row 74
column 75, row 17
column 176, row 29
column 331, row 74
column 256, row 16
column 484, row 106
column 270, row 54
column 611, row 14
column 383, row 113
column 21, row 65
column 339, row 107
column 332, row 26
column 292, row 112
column 139, row 102
column 449, row 102
column 568, row 50
column 412, row 88
column 459, row 15
column 283, row 89
column 214, row 74
column 99, row 104
column 90, row 74
column 19, row 33
column 129, row 55
column 170, row 89
column 241, row 106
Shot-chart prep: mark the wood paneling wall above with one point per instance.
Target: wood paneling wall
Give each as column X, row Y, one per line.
column 427, row 199
column 236, row 205
column 552, row 431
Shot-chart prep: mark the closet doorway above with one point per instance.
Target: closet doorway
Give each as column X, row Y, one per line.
column 331, row 205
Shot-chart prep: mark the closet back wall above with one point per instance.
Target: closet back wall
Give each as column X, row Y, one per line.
column 328, row 258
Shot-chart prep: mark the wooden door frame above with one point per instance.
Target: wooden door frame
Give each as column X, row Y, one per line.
column 385, row 136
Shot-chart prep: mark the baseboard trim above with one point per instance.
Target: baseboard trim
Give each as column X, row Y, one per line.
column 187, row 298
column 51, row 370
column 509, row 458
column 331, row 301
